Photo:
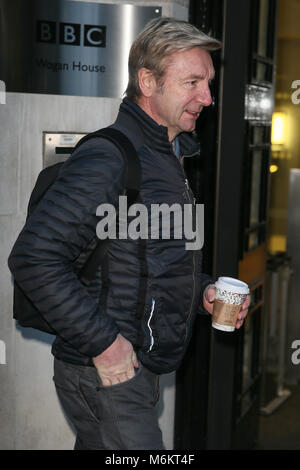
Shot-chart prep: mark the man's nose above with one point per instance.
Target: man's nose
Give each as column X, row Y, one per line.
column 204, row 95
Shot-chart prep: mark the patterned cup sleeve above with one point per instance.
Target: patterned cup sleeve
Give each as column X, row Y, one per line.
column 230, row 297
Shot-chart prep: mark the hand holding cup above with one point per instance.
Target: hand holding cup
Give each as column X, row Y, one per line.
column 228, row 301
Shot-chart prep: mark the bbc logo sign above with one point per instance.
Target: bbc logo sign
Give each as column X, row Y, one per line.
column 70, row 34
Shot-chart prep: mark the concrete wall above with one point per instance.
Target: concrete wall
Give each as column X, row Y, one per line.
column 30, row 414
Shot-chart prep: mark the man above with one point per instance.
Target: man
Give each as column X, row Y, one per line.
column 134, row 321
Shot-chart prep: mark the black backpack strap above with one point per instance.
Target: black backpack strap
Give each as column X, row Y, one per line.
column 132, row 187
column 133, row 169
column 127, row 149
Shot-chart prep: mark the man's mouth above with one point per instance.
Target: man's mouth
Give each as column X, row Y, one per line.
column 194, row 114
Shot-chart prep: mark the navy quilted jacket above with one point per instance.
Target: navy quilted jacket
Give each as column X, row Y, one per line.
column 148, row 290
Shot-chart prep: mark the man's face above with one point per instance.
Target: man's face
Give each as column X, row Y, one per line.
column 185, row 91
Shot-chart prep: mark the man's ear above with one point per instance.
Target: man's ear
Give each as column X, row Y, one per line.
column 147, row 82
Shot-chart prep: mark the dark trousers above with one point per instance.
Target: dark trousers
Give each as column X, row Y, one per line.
column 118, row 417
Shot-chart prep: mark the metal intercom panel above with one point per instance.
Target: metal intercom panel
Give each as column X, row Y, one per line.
column 57, row 146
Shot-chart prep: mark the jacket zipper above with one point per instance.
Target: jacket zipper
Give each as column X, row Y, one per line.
column 193, row 256
column 194, row 266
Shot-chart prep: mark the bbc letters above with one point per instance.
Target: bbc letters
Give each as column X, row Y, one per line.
column 70, row 34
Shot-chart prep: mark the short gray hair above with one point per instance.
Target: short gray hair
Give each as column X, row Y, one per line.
column 159, row 39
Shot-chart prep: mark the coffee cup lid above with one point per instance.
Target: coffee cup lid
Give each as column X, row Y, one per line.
column 232, row 285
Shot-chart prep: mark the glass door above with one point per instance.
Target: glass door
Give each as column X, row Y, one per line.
column 259, row 104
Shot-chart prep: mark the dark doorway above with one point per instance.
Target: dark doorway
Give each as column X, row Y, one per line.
column 218, row 383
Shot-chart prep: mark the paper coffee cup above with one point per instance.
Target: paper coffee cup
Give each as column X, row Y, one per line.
column 230, row 295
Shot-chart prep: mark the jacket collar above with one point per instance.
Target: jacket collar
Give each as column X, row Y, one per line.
column 144, row 130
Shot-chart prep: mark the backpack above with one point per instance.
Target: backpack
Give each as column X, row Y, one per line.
column 24, row 312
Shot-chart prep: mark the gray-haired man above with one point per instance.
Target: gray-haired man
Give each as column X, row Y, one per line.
column 115, row 338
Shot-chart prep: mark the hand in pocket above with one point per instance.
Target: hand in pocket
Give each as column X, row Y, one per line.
column 117, row 363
